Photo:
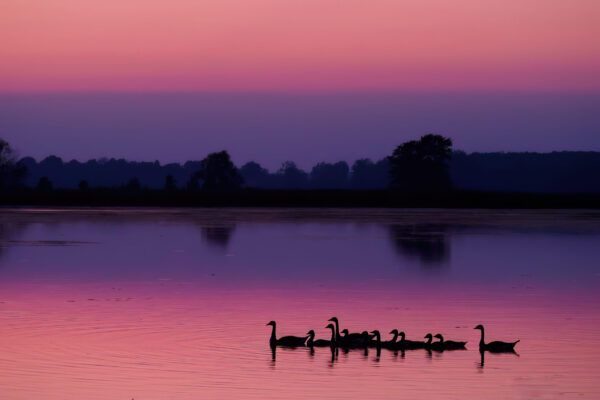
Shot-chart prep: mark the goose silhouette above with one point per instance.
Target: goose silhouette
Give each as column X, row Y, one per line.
column 386, row 344
column 449, row 344
column 409, row 344
column 348, row 339
column 286, row 341
column 496, row 346
column 321, row 342
column 435, row 346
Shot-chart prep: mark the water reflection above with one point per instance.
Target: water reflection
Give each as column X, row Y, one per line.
column 188, row 334
column 482, row 356
column 10, row 232
column 217, row 235
column 428, row 243
column 429, row 353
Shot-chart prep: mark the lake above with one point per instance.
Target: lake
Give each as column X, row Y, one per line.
column 172, row 303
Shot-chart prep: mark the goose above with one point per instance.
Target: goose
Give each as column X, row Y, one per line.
column 287, row 341
column 377, row 341
column 393, row 342
column 387, row 344
column 348, row 337
column 496, row 346
column 409, row 344
column 321, row 342
column 437, row 346
column 449, row 344
column 355, row 342
column 352, row 339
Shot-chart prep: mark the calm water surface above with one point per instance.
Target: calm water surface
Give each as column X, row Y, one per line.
column 172, row 304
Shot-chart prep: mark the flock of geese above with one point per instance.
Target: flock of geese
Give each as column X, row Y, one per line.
column 366, row 339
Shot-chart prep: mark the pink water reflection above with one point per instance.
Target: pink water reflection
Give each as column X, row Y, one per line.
column 176, row 340
column 152, row 305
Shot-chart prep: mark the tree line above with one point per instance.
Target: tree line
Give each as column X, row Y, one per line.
column 426, row 164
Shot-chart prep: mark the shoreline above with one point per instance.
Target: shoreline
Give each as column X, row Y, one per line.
column 246, row 198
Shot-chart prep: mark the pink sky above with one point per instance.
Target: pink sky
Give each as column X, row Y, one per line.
column 282, row 45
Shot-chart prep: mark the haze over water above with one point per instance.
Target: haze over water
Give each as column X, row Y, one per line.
column 155, row 304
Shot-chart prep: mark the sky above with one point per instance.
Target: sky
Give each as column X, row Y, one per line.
column 266, row 62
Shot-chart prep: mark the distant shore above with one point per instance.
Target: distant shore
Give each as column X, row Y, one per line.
column 103, row 197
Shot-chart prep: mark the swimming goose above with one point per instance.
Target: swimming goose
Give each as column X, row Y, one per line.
column 321, row 342
column 449, row 344
column 348, row 338
column 287, row 341
column 437, row 346
column 386, row 344
column 362, row 340
column 377, row 341
column 409, row 344
column 496, row 346
column 352, row 339
column 393, row 342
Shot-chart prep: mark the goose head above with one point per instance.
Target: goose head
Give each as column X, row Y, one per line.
column 428, row 336
column 480, row 327
column 330, row 326
column 345, row 332
column 375, row 332
column 438, row 336
column 402, row 334
column 394, row 332
column 272, row 323
column 310, row 333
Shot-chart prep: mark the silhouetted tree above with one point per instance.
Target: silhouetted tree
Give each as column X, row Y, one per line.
column 329, row 176
column 217, row 172
column 192, row 184
column 11, row 171
column 421, row 165
column 366, row 174
column 133, row 185
column 255, row 175
column 291, row 177
column 44, row 184
column 170, row 183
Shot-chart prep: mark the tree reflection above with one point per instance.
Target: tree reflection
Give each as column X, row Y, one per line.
column 217, row 235
column 429, row 243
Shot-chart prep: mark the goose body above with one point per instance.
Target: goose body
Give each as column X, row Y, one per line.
column 430, row 345
column 286, row 341
column 348, row 339
column 352, row 339
column 496, row 346
column 355, row 340
column 386, row 344
column 408, row 344
column 449, row 344
column 376, row 342
column 321, row 342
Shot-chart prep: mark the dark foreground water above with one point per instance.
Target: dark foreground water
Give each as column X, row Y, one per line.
column 172, row 304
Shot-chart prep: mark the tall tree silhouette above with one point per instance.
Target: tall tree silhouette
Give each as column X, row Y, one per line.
column 422, row 165
column 217, row 172
column 11, row 171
